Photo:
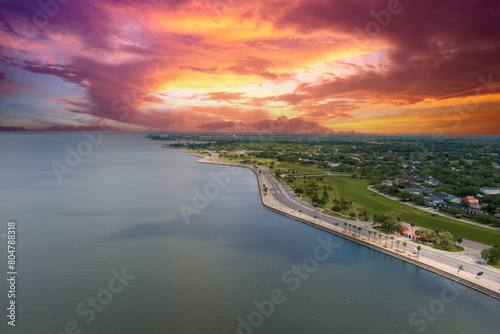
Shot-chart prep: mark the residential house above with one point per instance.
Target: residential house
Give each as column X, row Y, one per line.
column 416, row 177
column 474, row 202
column 490, row 191
column 433, row 182
column 401, row 180
column 386, row 183
column 446, row 205
column 413, row 191
column 471, row 213
column 432, row 192
column 433, row 200
column 452, row 199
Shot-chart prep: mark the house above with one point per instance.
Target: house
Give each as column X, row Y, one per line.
column 433, row 182
column 416, row 177
column 401, row 180
column 446, row 205
column 490, row 191
column 433, row 200
column 452, row 199
column 474, row 202
column 386, row 183
column 413, row 191
column 432, row 192
column 471, row 213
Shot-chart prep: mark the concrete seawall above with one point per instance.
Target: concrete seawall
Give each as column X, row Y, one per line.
column 381, row 249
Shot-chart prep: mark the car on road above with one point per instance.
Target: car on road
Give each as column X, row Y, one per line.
column 415, row 251
column 315, row 216
column 300, row 211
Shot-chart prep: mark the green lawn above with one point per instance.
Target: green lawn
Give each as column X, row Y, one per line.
column 355, row 190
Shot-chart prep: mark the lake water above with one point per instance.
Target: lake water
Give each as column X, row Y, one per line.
column 106, row 249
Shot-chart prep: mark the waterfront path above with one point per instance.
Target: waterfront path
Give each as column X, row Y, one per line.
column 280, row 198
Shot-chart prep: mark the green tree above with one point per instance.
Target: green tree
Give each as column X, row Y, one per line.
column 418, row 251
column 484, row 218
column 404, row 247
column 491, row 255
column 445, row 239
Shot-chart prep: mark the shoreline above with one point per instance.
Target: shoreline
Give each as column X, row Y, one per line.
column 487, row 286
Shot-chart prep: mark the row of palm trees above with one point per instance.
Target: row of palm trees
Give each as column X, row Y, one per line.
column 359, row 229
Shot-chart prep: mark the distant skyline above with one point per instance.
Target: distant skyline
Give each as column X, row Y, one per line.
column 304, row 66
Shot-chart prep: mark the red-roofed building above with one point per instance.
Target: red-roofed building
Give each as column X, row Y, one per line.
column 474, row 202
column 408, row 233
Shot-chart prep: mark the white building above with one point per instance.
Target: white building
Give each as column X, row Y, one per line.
column 490, row 191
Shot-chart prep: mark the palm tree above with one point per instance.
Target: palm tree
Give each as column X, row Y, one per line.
column 369, row 235
column 431, row 235
column 374, row 235
column 412, row 226
column 392, row 241
column 380, row 238
column 398, row 245
column 359, row 231
column 404, row 247
column 386, row 237
column 345, row 226
column 418, row 234
column 418, row 253
column 350, row 227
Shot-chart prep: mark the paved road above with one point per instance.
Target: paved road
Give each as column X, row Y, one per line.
column 287, row 198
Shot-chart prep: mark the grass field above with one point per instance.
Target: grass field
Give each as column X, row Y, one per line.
column 362, row 199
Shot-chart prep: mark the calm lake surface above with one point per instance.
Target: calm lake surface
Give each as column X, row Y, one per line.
column 119, row 208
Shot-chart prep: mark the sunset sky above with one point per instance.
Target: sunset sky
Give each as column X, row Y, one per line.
column 370, row 66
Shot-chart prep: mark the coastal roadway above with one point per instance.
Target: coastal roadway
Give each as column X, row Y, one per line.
column 283, row 197
column 280, row 198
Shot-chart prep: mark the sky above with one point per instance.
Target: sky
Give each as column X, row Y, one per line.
column 274, row 66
